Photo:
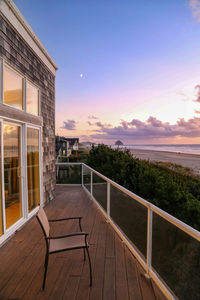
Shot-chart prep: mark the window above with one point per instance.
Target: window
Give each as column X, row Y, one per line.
column 32, row 99
column 13, row 88
column 14, row 85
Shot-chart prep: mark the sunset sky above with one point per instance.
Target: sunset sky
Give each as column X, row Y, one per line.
column 128, row 69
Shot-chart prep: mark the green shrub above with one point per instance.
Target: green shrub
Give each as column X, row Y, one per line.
column 175, row 192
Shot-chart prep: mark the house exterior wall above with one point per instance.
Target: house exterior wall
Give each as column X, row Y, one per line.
column 17, row 53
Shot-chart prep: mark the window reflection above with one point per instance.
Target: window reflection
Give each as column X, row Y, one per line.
column 12, row 173
column 1, row 217
column 33, row 168
column 13, row 88
column 32, row 99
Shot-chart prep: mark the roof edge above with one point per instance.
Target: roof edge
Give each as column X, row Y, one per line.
column 16, row 19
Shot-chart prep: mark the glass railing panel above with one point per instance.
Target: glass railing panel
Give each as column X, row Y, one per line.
column 176, row 259
column 131, row 217
column 68, row 174
column 100, row 190
column 87, row 178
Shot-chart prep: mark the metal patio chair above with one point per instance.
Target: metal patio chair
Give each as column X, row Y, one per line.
column 55, row 244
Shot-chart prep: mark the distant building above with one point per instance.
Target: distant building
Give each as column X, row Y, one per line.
column 73, row 143
column 65, row 146
column 62, row 147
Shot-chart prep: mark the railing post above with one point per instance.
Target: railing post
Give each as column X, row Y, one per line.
column 149, row 240
column 82, row 174
column 57, row 171
column 91, row 183
column 108, row 199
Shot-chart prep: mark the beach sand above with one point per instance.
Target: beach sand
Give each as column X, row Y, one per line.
column 191, row 161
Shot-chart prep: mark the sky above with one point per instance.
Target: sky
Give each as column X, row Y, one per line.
column 128, row 70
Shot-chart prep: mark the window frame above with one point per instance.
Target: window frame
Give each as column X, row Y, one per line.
column 25, row 79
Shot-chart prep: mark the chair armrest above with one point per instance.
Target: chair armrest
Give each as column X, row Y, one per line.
column 65, row 219
column 65, row 236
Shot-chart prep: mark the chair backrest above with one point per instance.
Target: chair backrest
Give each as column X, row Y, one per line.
column 42, row 218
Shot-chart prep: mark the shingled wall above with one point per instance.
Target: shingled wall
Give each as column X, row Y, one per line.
column 18, row 54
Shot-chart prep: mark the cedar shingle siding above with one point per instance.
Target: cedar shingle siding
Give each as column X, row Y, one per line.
column 19, row 55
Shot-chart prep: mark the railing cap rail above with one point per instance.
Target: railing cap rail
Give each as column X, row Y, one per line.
column 181, row 225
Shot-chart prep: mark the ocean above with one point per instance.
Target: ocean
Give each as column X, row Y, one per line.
column 179, row 148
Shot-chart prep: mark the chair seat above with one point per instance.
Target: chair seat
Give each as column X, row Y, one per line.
column 67, row 243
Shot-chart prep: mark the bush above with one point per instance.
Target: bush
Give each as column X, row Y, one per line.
column 172, row 191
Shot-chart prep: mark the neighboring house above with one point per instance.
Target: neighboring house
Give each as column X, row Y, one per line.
column 73, row 143
column 62, row 147
column 27, row 121
column 65, row 146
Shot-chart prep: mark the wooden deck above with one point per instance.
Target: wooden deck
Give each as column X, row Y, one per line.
column 116, row 273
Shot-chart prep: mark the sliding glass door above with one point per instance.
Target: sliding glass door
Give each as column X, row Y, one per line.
column 20, row 190
column 12, row 173
column 33, row 168
column 1, row 210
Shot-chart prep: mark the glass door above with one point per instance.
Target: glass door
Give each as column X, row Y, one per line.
column 33, row 168
column 1, row 209
column 12, row 173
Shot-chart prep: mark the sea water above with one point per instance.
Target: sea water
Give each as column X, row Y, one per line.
column 179, row 148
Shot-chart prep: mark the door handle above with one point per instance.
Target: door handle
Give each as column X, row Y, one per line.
column 19, row 172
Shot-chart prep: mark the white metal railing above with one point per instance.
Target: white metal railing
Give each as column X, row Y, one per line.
column 147, row 264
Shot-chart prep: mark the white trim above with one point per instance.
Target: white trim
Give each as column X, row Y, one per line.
column 41, row 167
column 22, row 167
column 40, row 164
column 33, row 212
column 68, row 184
column 10, row 11
column 25, row 173
column 38, row 95
column 2, row 182
column 91, row 183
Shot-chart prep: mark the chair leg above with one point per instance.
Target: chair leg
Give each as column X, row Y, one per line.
column 45, row 270
column 80, row 225
column 84, row 253
column 89, row 266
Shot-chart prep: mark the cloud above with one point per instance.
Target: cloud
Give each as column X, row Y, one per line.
column 150, row 129
column 197, row 87
column 69, row 125
column 90, row 123
column 195, row 7
column 99, row 124
column 93, row 118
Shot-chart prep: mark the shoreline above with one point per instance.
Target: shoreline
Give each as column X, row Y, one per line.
column 188, row 160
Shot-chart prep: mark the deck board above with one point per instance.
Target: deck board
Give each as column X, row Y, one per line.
column 116, row 273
